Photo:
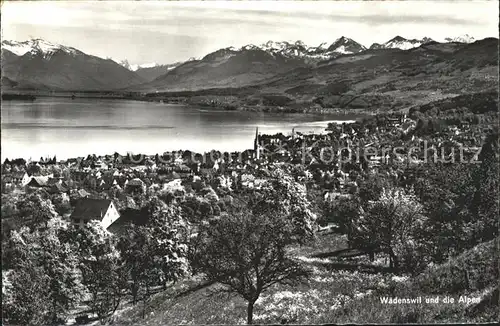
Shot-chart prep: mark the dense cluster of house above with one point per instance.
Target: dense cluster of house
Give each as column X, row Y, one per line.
column 334, row 161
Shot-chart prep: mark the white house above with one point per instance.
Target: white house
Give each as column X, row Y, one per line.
column 25, row 179
column 86, row 209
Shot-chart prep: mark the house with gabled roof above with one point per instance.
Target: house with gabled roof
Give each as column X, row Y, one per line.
column 131, row 217
column 39, row 181
column 21, row 178
column 87, row 209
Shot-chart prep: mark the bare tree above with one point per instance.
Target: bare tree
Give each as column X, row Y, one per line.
column 247, row 253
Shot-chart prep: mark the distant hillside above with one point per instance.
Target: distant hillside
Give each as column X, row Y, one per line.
column 343, row 75
column 151, row 73
column 298, row 70
column 223, row 68
column 38, row 64
column 231, row 67
column 372, row 80
column 394, row 78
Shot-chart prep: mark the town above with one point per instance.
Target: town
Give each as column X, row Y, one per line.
column 242, row 162
column 331, row 184
column 332, row 164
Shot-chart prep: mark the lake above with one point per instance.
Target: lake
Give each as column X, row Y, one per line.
column 70, row 128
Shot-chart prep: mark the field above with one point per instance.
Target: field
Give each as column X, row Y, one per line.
column 334, row 294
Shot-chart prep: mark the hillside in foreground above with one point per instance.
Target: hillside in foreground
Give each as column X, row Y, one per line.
column 333, row 295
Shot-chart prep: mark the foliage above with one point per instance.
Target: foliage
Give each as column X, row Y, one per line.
column 392, row 224
column 9, row 206
column 342, row 212
column 288, row 198
column 101, row 268
column 486, row 201
column 461, row 202
column 372, row 186
column 156, row 253
column 197, row 208
column 446, row 192
column 24, row 300
column 52, row 264
column 35, row 209
column 276, row 100
column 61, row 204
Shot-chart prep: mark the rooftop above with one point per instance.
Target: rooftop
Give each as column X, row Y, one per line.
column 89, row 209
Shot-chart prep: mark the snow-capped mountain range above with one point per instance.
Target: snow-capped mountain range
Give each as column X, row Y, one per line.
column 40, row 64
column 135, row 67
column 401, row 43
column 460, row 39
column 298, row 49
column 341, row 46
column 323, row 51
column 37, row 46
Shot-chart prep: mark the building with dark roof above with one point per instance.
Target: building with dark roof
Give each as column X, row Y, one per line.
column 130, row 217
column 38, row 182
column 87, row 209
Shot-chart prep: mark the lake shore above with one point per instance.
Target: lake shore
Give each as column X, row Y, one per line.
column 218, row 102
column 71, row 128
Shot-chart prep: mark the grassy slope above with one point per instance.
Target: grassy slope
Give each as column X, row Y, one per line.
column 447, row 279
column 334, row 296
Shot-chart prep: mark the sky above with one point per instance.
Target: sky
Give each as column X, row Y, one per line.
column 166, row 32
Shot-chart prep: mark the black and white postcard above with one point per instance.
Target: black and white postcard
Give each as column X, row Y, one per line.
column 249, row 162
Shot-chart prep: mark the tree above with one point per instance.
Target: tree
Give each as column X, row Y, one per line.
column 371, row 187
column 54, row 286
column 485, row 203
column 24, row 300
column 170, row 231
column 101, row 267
column 342, row 211
column 60, row 262
column 156, row 253
column 446, row 192
column 134, row 255
column 246, row 252
column 284, row 195
column 61, row 203
column 392, row 224
column 33, row 169
column 197, row 208
column 35, row 209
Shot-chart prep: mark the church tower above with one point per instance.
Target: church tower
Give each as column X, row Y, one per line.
column 256, row 146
